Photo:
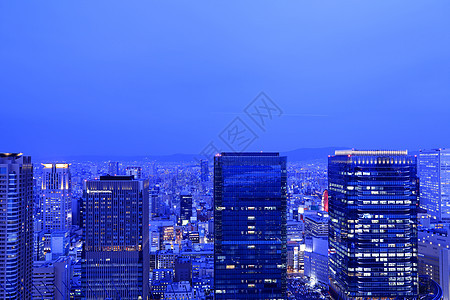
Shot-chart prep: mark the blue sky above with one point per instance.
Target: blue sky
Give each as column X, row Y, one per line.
column 163, row 77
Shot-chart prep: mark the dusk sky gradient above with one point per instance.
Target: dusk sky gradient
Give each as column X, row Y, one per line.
column 164, row 77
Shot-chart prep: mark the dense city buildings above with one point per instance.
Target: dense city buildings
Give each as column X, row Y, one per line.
column 16, row 226
column 373, row 198
column 434, row 174
column 181, row 229
column 250, row 226
column 116, row 253
column 56, row 197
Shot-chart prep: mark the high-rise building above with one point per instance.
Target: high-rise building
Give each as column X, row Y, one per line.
column 295, row 231
column 116, row 253
column 444, row 269
column 431, row 242
column 185, row 208
column 16, row 226
column 250, row 259
column 316, row 260
column 77, row 211
column 51, row 279
column 434, row 175
column 373, row 200
column 154, row 202
column 204, row 170
column 134, row 171
column 38, row 238
column 316, row 223
column 183, row 269
column 113, row 168
column 56, row 197
column 316, row 247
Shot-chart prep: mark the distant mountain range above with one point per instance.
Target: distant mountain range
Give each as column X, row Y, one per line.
column 307, row 154
column 303, row 154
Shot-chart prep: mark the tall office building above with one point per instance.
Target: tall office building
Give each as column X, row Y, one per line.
column 434, row 174
column 444, row 270
column 56, row 197
column 185, row 208
column 154, row 202
column 316, row 247
column 204, row 170
column 316, row 223
column 134, row 171
column 116, row 253
column 250, row 259
column 16, row 226
column 51, row 279
column 316, row 260
column 373, row 200
column 431, row 242
column 113, row 168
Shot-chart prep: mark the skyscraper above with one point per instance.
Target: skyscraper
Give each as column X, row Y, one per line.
column 444, row 270
column 57, row 197
column 116, row 253
column 250, row 226
column 134, row 171
column 154, row 202
column 185, row 208
column 113, row 168
column 316, row 223
column 373, row 199
column 16, row 226
column 434, row 174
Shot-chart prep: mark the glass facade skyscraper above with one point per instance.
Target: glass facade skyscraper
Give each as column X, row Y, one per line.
column 373, row 200
column 250, row 226
column 116, row 253
column 185, row 208
column 16, row 226
column 434, row 174
column 57, row 197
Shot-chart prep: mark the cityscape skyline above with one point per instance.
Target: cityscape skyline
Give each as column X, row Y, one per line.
column 207, row 150
column 252, row 226
column 298, row 154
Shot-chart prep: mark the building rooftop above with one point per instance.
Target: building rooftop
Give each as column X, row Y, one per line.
column 11, row 154
column 371, row 152
column 58, row 166
column 249, row 154
column 109, row 177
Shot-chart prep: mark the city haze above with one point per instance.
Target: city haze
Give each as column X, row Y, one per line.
column 166, row 77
